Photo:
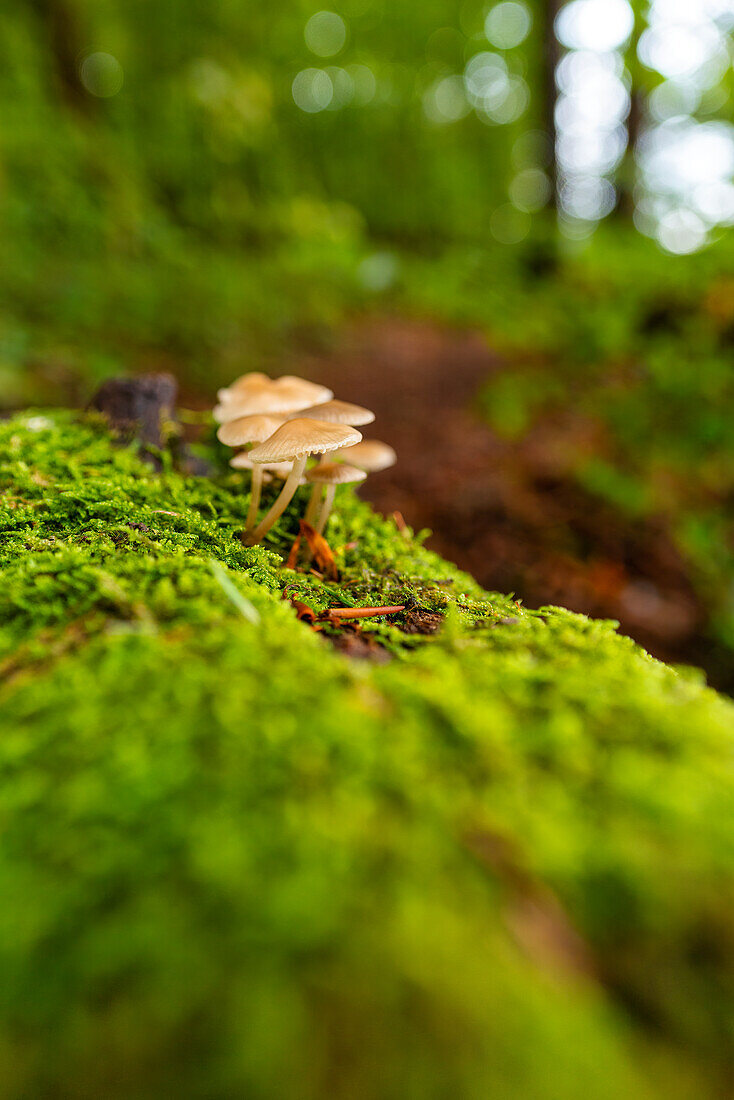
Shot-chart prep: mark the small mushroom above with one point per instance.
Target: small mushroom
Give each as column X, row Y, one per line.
column 339, row 412
column 240, row 432
column 263, row 395
column 370, row 455
column 328, row 475
column 294, row 441
column 261, row 401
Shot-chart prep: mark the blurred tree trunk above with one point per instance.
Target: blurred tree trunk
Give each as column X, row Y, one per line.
column 551, row 57
column 628, row 169
column 60, row 24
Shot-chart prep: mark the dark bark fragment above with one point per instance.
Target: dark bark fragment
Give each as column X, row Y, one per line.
column 141, row 406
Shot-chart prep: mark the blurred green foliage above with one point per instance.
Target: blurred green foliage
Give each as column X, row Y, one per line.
column 639, row 345
column 197, row 211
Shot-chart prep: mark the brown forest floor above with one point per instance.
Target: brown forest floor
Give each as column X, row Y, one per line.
column 508, row 512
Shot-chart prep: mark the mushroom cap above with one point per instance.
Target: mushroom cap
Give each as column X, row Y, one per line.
column 266, row 401
column 335, row 473
column 248, row 429
column 300, row 437
column 246, row 383
column 339, row 412
column 371, row 455
column 307, row 393
column 242, row 461
column 266, row 395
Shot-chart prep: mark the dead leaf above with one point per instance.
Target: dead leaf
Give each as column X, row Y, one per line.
column 320, row 550
column 293, row 556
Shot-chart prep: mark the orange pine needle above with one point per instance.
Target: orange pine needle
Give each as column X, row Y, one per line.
column 362, row 612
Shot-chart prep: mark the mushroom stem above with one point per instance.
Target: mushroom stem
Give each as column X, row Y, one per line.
column 282, row 502
column 326, row 508
column 313, row 505
column 255, row 491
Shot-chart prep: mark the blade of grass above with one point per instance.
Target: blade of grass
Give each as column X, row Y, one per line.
column 243, row 605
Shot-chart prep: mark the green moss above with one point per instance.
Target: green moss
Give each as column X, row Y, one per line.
column 234, row 863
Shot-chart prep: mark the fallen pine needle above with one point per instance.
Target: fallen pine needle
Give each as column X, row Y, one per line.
column 361, row 612
column 303, row 611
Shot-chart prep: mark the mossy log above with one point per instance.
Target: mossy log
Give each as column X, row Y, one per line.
column 236, row 863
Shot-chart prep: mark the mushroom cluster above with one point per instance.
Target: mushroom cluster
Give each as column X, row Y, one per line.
column 285, row 422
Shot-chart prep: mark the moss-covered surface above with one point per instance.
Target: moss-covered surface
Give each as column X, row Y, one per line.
column 235, row 863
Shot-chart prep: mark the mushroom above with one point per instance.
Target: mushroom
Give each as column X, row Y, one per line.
column 267, row 395
column 294, row 441
column 370, row 455
column 240, row 432
column 339, row 412
column 328, row 475
column 260, row 399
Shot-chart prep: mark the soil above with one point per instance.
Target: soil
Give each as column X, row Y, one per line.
column 511, row 513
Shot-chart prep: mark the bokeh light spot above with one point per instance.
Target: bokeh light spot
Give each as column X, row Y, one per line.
column 325, row 33
column 679, row 49
column 509, row 107
column 714, row 201
column 101, row 74
column 681, row 232
column 587, row 198
column 364, row 84
column 378, row 272
column 595, row 24
column 530, row 190
column 445, row 100
column 312, row 90
column 508, row 24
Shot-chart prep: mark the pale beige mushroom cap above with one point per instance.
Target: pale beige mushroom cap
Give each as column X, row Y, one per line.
column 266, row 401
column 248, row 429
column 371, row 455
column 335, row 473
column 246, row 383
column 300, row 437
column 307, row 393
column 339, row 412
column 267, row 395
